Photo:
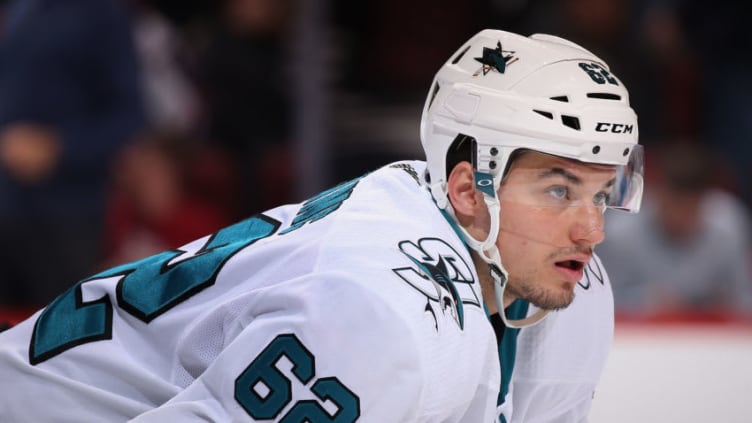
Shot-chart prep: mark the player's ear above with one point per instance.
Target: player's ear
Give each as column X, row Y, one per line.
column 461, row 190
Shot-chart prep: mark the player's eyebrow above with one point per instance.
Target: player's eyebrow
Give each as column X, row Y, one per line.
column 569, row 176
column 557, row 171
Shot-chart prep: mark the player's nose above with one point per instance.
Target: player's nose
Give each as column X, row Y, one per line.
column 588, row 226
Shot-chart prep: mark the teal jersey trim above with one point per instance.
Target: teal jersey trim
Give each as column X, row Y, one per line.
column 508, row 346
column 454, row 226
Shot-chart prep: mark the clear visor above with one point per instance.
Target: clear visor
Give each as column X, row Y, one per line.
column 553, row 183
column 629, row 186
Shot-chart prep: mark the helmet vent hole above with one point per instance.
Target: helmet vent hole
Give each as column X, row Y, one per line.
column 459, row 56
column 546, row 114
column 626, row 151
column 562, row 98
column 596, row 149
column 463, row 148
column 571, row 122
column 434, row 91
column 604, row 96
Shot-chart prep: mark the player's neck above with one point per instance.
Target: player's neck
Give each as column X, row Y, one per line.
column 487, row 285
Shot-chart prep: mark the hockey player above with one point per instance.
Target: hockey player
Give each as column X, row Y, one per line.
column 394, row 297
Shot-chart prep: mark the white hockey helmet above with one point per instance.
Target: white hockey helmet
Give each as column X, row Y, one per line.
column 505, row 92
column 542, row 93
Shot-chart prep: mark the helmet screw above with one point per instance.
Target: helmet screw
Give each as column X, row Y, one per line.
column 626, row 151
column 596, row 149
column 494, row 151
column 492, row 164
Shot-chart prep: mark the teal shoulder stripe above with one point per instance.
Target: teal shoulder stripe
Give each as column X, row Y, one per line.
column 453, row 224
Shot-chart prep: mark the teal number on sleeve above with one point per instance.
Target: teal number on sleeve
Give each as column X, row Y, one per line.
column 326, row 389
column 67, row 322
column 154, row 285
column 264, row 391
column 263, row 374
column 151, row 286
column 148, row 288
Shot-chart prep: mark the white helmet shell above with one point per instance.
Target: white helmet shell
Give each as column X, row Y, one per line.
column 542, row 93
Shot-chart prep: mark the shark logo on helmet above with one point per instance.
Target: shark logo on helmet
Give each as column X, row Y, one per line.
column 494, row 59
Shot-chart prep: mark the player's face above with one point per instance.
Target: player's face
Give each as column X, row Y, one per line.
column 551, row 219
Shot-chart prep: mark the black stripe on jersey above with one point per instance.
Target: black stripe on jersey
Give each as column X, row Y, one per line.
column 593, row 271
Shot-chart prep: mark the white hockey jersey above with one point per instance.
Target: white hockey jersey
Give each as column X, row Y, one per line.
column 560, row 360
column 359, row 304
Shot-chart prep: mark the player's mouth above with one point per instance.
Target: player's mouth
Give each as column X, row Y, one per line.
column 572, row 269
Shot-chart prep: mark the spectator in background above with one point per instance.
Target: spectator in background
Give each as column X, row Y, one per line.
column 389, row 51
column 170, row 95
column 165, row 194
column 719, row 35
column 688, row 250
column 70, row 97
column 385, row 54
column 244, row 76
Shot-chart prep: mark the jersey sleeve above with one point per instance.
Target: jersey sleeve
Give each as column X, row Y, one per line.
column 332, row 353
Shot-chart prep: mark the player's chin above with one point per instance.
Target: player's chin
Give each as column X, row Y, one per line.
column 555, row 298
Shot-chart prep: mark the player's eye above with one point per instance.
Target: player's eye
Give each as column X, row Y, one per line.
column 602, row 199
column 558, row 192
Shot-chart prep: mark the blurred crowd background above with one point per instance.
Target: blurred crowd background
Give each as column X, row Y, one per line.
column 131, row 126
